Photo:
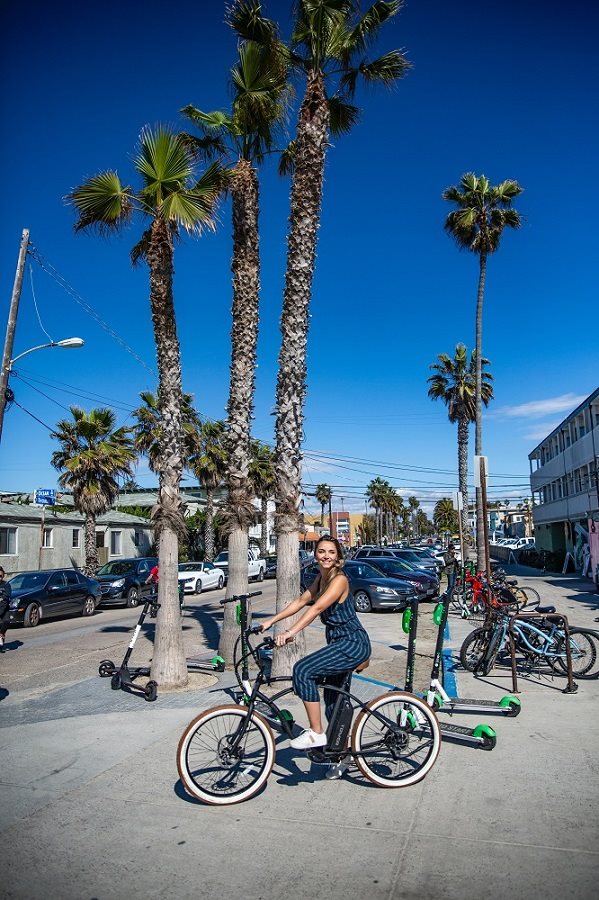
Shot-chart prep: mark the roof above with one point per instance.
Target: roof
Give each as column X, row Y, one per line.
column 25, row 512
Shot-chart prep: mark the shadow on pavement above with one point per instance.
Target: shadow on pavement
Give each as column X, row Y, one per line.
column 4, row 692
column 11, row 645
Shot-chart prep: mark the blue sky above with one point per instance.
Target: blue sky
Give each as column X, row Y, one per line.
column 505, row 88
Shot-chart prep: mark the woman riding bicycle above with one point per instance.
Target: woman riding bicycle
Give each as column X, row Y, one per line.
column 329, row 596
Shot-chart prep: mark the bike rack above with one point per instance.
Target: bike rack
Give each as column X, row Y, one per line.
column 571, row 687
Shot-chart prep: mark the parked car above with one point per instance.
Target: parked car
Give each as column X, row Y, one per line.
column 371, row 589
column 199, row 576
column 52, row 592
column 123, row 581
column 305, row 559
column 256, row 566
column 425, row 563
column 426, row 585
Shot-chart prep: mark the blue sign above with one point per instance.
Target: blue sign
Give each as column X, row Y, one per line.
column 45, row 497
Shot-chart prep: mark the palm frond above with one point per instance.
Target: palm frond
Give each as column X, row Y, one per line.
column 203, row 148
column 342, row 115
column 213, row 123
column 366, row 29
column 140, row 250
column 102, row 203
column 163, row 162
column 245, row 17
column 287, row 159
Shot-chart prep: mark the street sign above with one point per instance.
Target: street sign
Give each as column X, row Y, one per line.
column 45, row 497
column 458, row 500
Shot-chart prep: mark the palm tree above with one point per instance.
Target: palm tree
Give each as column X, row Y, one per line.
column 244, row 135
column 209, row 465
column 483, row 212
column 324, row 496
column 262, row 476
column 375, row 493
column 91, row 458
column 454, row 382
column 172, row 199
column 327, row 47
column 148, row 429
column 445, row 516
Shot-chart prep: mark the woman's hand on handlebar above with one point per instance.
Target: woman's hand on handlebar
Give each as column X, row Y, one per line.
column 284, row 638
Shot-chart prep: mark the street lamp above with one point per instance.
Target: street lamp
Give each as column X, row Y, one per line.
column 66, row 343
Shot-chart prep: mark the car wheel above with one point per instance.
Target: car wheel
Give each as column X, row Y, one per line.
column 198, row 586
column 133, row 596
column 32, row 616
column 221, row 583
column 89, row 607
column 362, row 602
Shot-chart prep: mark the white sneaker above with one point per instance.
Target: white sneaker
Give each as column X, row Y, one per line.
column 308, row 740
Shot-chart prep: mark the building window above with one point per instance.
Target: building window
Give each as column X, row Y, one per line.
column 138, row 537
column 8, row 541
column 47, row 538
column 76, row 539
column 115, row 543
column 99, row 539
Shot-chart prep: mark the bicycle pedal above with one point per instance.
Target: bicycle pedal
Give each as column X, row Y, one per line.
column 317, row 756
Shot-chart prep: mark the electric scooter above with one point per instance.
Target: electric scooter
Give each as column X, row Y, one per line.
column 437, row 696
column 482, row 736
column 123, row 677
column 199, row 663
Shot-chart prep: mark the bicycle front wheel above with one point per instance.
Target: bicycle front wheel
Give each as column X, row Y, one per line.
column 474, row 648
column 225, row 757
column 396, row 740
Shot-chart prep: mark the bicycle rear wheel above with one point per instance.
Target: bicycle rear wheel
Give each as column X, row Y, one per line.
column 531, row 596
column 208, row 766
column 396, row 740
column 583, row 653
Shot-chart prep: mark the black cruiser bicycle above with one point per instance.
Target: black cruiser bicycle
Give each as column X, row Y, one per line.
column 226, row 754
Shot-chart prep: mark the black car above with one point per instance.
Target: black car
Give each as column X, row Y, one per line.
column 123, row 581
column 271, row 563
column 426, row 585
column 371, row 589
column 50, row 593
column 424, row 562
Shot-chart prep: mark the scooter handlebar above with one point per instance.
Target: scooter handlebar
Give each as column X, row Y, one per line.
column 237, row 597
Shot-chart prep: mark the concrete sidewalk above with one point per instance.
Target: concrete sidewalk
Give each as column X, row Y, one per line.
column 92, row 807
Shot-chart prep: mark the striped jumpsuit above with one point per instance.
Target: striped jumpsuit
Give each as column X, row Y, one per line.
column 348, row 645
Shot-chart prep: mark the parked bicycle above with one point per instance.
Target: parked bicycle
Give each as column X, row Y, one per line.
column 226, row 754
column 540, row 641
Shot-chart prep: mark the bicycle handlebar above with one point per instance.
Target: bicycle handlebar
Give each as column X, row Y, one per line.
column 237, row 597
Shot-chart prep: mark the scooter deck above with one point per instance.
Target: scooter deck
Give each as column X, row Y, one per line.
column 196, row 664
column 481, row 736
column 467, row 705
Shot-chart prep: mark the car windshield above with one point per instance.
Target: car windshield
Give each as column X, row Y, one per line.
column 361, row 570
column 222, row 557
column 394, row 565
column 28, row 581
column 119, row 567
column 189, row 567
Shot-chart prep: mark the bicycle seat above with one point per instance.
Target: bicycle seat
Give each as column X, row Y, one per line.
column 544, row 610
column 512, row 581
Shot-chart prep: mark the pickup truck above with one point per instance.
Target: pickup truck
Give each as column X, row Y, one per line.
column 256, row 566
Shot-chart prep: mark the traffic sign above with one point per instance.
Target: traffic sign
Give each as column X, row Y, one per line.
column 45, row 497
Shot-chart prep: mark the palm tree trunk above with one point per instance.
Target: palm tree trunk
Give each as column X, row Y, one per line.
column 306, row 198
column 91, row 551
column 168, row 660
column 244, row 335
column 209, row 525
column 264, row 526
column 481, row 550
column 463, row 475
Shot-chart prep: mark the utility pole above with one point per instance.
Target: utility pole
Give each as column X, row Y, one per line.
column 12, row 324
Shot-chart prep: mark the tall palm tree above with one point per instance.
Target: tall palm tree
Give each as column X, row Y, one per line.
column 92, row 455
column 244, row 135
column 376, row 492
column 454, row 382
column 262, row 476
column 324, row 496
column 483, row 212
column 172, row 199
column 209, row 465
column 327, row 47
